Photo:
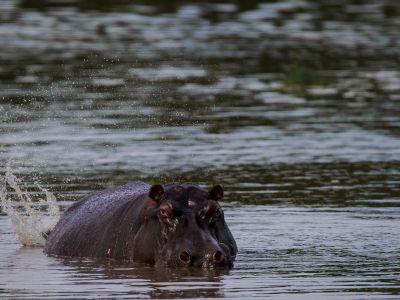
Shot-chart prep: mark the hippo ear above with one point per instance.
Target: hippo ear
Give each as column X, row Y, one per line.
column 156, row 191
column 216, row 192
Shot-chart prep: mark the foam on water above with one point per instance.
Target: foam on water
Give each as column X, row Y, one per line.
column 29, row 222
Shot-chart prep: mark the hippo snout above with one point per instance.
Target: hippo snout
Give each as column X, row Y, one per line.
column 210, row 258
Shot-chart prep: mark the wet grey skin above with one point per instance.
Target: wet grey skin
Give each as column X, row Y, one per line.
column 212, row 214
column 174, row 226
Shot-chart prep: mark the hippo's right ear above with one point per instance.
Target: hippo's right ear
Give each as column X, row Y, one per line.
column 156, row 191
column 216, row 192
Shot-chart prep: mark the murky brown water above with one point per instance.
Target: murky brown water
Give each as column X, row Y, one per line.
column 292, row 105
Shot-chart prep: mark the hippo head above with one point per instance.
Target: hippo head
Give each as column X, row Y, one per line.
column 206, row 205
column 187, row 239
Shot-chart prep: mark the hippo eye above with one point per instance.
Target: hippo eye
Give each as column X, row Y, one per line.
column 210, row 216
column 203, row 213
column 166, row 213
column 216, row 215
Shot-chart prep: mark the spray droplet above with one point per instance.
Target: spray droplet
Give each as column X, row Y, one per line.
column 30, row 224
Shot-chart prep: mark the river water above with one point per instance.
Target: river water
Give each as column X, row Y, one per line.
column 293, row 106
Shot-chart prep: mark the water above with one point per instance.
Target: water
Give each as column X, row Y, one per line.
column 31, row 220
column 293, row 106
column 285, row 253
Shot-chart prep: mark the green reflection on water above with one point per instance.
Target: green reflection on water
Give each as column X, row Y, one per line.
column 338, row 184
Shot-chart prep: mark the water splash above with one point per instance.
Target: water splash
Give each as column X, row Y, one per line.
column 29, row 222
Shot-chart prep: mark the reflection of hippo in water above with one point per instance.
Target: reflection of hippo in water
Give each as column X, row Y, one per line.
column 174, row 225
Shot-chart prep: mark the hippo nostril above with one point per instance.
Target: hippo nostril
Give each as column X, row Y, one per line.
column 218, row 257
column 185, row 257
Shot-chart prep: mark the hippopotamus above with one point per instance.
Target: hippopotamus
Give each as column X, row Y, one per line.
column 165, row 225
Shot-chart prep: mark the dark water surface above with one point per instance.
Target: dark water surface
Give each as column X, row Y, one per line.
column 294, row 106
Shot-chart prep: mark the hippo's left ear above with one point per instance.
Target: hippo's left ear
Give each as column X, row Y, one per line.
column 216, row 192
column 156, row 191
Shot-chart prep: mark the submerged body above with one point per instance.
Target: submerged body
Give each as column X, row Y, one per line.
column 175, row 225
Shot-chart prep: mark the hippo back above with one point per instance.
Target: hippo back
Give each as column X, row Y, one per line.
column 101, row 224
